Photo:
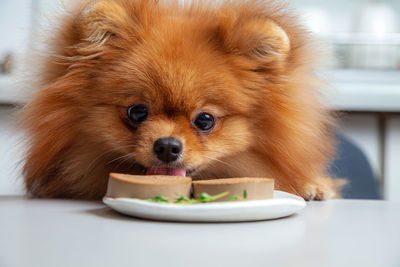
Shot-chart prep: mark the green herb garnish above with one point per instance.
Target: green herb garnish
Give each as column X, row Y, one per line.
column 203, row 198
column 158, row 199
column 233, row 197
column 181, row 199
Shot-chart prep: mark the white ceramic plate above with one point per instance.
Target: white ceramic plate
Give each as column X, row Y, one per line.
column 283, row 204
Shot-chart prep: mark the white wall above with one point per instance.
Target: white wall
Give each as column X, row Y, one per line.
column 10, row 155
column 392, row 159
column 15, row 23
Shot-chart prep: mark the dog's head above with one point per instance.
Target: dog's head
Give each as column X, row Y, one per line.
column 177, row 90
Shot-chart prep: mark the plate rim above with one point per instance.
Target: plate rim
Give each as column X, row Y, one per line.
column 287, row 197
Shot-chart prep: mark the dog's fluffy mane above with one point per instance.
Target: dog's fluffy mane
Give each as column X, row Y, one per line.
column 296, row 143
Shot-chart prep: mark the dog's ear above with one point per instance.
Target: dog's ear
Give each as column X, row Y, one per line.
column 259, row 39
column 99, row 21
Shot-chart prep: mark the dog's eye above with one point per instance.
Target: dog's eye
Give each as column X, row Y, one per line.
column 137, row 113
column 204, row 121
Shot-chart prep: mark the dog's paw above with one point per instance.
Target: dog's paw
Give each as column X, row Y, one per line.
column 319, row 191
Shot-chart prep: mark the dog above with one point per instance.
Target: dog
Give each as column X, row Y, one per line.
column 207, row 89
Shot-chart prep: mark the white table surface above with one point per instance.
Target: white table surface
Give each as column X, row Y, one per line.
column 61, row 233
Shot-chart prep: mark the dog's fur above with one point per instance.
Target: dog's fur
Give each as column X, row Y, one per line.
column 247, row 62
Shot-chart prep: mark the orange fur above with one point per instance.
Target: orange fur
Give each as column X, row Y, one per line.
column 248, row 62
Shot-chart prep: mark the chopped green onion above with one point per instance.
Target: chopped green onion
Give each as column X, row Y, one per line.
column 158, row 199
column 233, row 197
column 203, row 198
column 181, row 199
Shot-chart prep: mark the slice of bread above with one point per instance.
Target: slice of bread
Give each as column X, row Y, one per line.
column 148, row 186
column 256, row 188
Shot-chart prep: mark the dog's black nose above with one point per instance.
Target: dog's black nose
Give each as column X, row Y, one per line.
column 167, row 149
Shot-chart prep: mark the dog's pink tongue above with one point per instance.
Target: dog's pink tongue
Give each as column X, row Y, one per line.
column 166, row 171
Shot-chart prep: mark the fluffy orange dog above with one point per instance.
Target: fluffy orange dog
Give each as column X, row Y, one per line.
column 207, row 89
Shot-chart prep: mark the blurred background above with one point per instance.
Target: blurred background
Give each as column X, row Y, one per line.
column 364, row 36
